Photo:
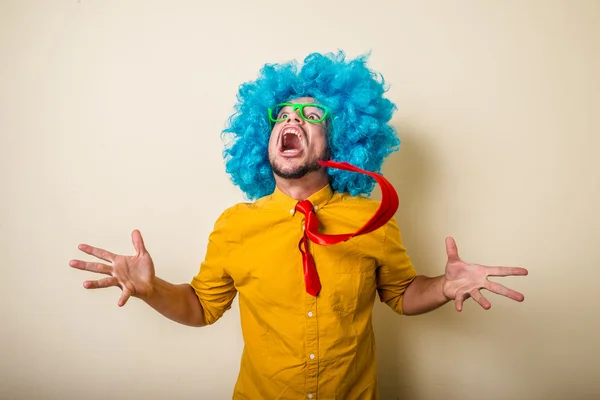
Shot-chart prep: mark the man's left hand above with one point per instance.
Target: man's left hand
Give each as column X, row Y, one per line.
column 463, row 280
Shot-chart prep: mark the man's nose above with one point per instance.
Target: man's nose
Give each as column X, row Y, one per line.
column 294, row 116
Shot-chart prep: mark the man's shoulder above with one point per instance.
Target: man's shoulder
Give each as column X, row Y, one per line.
column 236, row 210
column 348, row 200
column 242, row 209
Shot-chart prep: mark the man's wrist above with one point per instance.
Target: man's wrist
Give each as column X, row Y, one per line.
column 151, row 290
column 443, row 282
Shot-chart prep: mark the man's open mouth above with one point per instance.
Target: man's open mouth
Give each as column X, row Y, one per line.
column 291, row 142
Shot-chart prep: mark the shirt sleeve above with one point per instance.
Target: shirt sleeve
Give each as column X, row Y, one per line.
column 395, row 271
column 213, row 284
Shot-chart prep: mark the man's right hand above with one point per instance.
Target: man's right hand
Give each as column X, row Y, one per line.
column 133, row 274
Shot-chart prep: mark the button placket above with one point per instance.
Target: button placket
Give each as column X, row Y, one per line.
column 312, row 343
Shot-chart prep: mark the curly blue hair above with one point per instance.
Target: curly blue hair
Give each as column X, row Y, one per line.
column 358, row 131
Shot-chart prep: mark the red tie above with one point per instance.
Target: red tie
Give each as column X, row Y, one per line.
column 387, row 209
column 311, row 278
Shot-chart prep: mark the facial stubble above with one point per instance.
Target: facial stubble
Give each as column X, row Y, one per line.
column 300, row 171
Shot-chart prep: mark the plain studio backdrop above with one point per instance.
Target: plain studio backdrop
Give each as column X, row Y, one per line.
column 110, row 120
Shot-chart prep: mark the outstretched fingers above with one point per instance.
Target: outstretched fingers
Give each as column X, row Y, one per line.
column 506, row 271
column 97, row 252
column 138, row 242
column 126, row 293
column 101, row 283
column 504, row 291
column 460, row 298
column 117, row 266
column 451, row 249
column 462, row 295
column 481, row 300
column 91, row 266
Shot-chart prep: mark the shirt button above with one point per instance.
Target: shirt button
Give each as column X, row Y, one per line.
column 303, row 228
column 312, row 356
column 310, row 396
column 292, row 211
column 316, row 208
column 310, row 314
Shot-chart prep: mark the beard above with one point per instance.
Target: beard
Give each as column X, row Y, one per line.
column 299, row 171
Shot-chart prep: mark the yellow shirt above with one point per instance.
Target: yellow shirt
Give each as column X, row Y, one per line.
column 298, row 346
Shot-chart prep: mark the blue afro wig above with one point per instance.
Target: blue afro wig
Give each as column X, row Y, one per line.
column 358, row 131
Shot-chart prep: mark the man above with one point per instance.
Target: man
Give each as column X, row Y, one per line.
column 306, row 290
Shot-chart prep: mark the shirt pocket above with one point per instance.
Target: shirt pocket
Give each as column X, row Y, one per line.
column 348, row 275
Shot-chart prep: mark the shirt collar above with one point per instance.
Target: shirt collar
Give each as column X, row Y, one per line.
column 318, row 199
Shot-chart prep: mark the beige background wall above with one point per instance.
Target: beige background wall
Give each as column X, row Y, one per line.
column 110, row 114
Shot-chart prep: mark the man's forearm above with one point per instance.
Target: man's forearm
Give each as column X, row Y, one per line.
column 176, row 302
column 424, row 294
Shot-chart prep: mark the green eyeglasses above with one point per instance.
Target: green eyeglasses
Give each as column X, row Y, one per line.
column 310, row 112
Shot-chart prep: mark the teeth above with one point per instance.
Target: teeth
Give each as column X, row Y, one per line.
column 291, row 131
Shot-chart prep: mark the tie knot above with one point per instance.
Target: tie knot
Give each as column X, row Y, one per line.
column 304, row 206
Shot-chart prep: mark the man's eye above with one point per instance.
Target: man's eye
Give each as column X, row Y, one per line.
column 282, row 115
column 313, row 117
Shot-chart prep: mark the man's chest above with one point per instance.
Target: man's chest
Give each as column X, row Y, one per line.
column 266, row 263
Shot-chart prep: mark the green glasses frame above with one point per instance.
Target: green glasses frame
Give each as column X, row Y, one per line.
column 295, row 107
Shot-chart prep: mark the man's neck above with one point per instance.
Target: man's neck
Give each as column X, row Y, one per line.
column 302, row 188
